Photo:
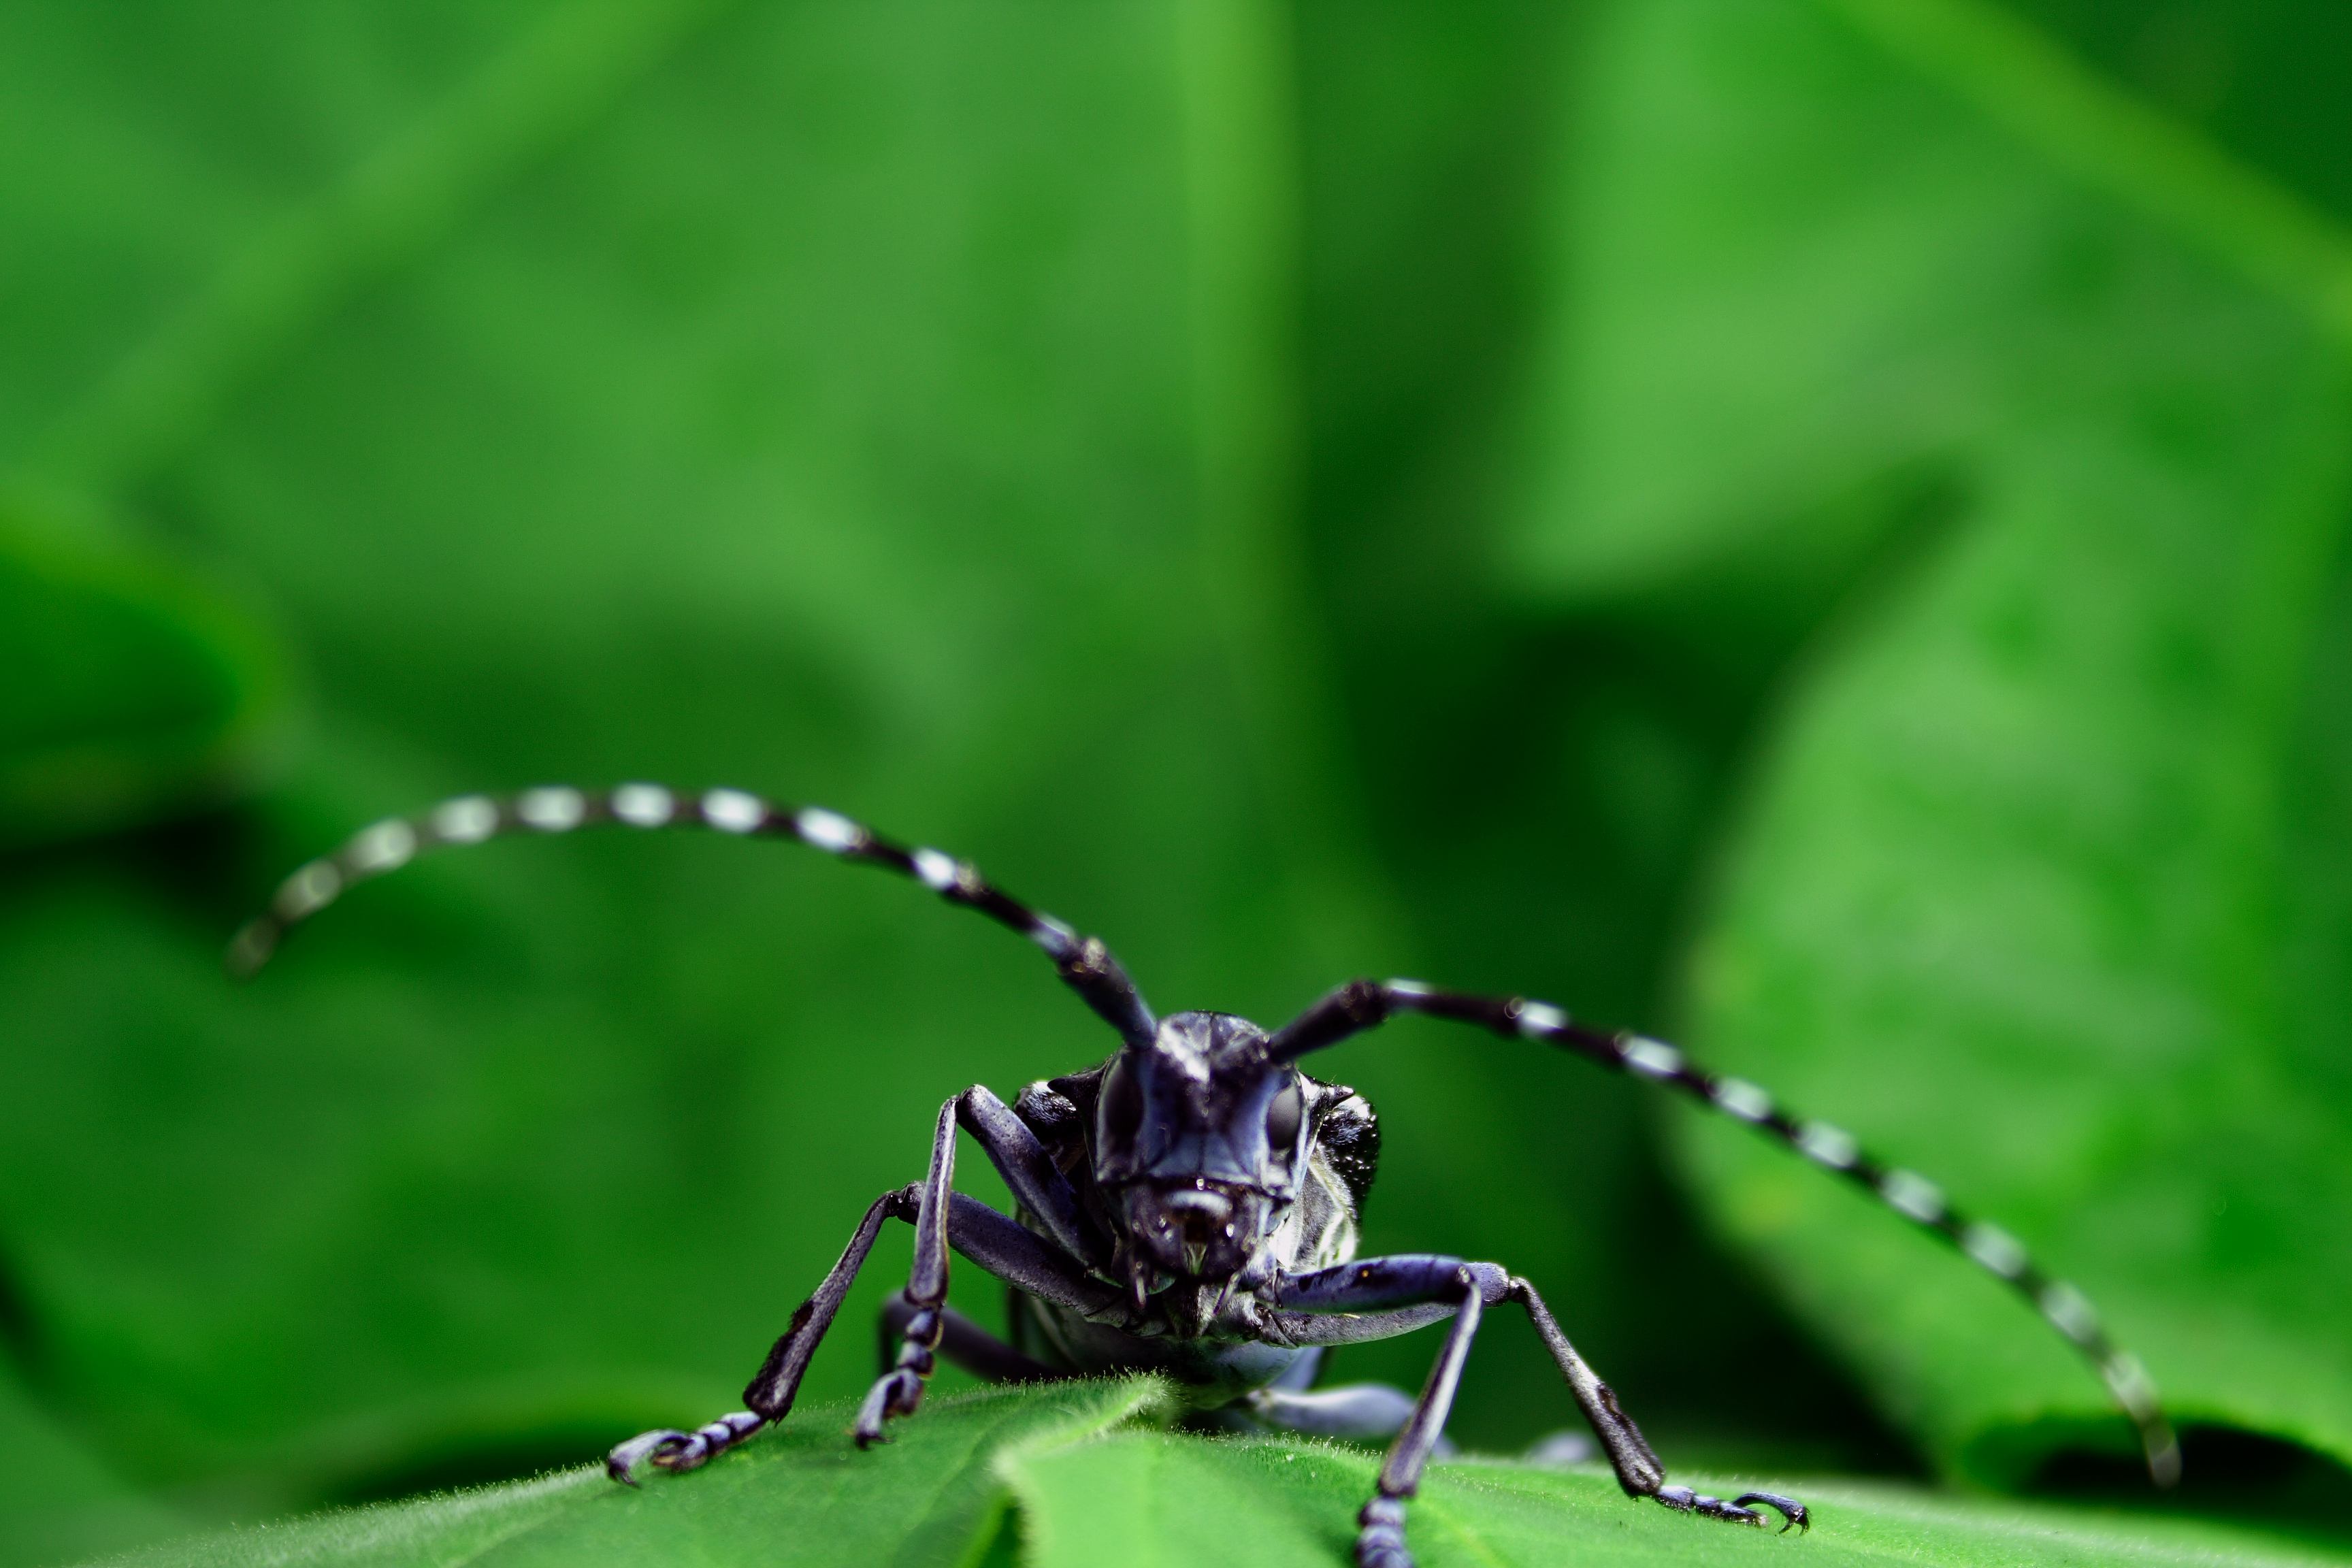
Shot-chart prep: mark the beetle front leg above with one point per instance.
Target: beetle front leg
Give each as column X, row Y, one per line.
column 1638, row 1469
column 963, row 1343
column 1055, row 1269
column 772, row 1391
column 1380, row 1298
column 1379, row 1535
column 899, row 1391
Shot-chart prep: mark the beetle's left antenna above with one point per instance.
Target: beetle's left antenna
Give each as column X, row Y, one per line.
column 1083, row 963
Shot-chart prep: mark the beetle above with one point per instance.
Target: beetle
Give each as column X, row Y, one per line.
column 1189, row 1205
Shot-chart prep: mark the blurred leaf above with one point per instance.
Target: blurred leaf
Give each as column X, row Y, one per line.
column 59, row 1500
column 1772, row 325
column 135, row 689
column 799, row 413
column 2261, row 80
column 1540, row 786
column 563, row 65
column 1088, row 1488
column 2040, row 889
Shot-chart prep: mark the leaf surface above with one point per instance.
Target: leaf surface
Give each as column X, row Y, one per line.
column 1084, row 1484
column 761, row 397
column 2039, row 886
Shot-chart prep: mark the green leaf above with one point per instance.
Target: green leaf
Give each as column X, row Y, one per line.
column 802, row 1494
column 1061, row 1477
column 1797, row 269
column 762, row 396
column 136, row 689
column 1151, row 1497
column 60, row 1500
column 2039, row 890
column 1540, row 787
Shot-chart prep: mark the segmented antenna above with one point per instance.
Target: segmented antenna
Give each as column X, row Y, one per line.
column 1084, row 963
column 1087, row 966
column 1363, row 1004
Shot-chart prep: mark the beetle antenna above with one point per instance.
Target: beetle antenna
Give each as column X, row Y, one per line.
column 1084, row 963
column 1364, row 1003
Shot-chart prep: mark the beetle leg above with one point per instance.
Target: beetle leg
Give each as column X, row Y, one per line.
column 771, row 1392
column 899, row 1390
column 1791, row 1510
column 1378, row 1298
column 1638, row 1469
column 1379, row 1535
column 680, row 1450
column 964, row 1344
column 1358, row 1410
column 945, row 1219
column 993, row 1241
column 1036, row 1183
column 1002, row 1247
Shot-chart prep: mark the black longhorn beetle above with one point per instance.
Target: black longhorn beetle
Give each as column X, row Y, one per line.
column 1188, row 1206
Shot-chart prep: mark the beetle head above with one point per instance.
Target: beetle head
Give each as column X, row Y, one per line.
column 1197, row 1141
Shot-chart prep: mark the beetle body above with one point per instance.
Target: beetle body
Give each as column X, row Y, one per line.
column 1191, row 1205
column 1283, row 1165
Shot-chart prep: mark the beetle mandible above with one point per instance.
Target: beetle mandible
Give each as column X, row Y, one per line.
column 1188, row 1206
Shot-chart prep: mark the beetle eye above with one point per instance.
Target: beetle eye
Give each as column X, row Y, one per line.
column 1118, row 1115
column 1282, row 1116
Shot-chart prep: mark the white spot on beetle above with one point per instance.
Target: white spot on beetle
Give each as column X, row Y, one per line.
column 1054, row 936
column 732, row 810
column 1654, row 1058
column 2070, row 1311
column 1742, row 1099
column 1913, row 1194
column 307, row 890
column 1538, row 1019
column 557, row 808
column 1995, row 1248
column 937, row 870
column 1827, row 1146
column 828, row 830
column 385, row 846
column 644, row 804
column 468, row 819
column 2133, row 1388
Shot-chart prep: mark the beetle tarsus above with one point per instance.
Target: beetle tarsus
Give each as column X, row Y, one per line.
column 896, row 1394
column 622, row 1463
column 673, row 1450
column 1683, row 1499
column 1792, row 1511
column 1379, row 1536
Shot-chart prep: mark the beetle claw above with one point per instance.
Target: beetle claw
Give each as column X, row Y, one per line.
column 622, row 1463
column 1792, row 1511
column 674, row 1450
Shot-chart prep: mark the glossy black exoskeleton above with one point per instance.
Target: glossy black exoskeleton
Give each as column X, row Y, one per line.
column 1190, row 1206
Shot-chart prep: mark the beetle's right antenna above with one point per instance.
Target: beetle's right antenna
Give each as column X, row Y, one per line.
column 1084, row 963
column 1362, row 1004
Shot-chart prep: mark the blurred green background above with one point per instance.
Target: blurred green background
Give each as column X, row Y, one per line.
column 1812, row 527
